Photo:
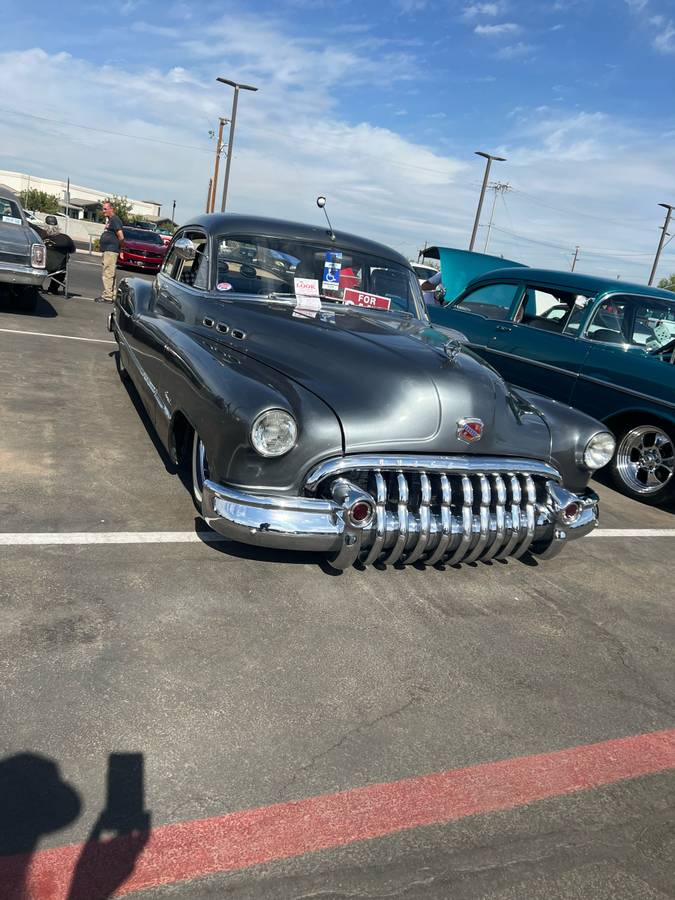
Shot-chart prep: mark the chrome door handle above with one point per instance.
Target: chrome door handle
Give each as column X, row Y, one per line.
column 503, row 328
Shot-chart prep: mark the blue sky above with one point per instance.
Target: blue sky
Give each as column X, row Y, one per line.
column 378, row 105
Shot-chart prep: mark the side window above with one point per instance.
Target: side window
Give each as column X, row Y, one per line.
column 194, row 272
column 493, row 301
column 551, row 310
column 608, row 325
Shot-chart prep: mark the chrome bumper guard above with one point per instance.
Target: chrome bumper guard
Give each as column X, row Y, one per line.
column 465, row 509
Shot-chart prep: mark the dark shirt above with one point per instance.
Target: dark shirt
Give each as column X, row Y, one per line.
column 109, row 240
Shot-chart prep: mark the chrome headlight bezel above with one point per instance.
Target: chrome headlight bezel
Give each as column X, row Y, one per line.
column 598, row 451
column 265, row 432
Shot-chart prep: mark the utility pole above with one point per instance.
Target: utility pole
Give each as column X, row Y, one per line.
column 489, row 159
column 208, row 195
column 576, row 257
column 664, row 233
column 173, row 213
column 499, row 188
column 216, row 164
column 230, row 144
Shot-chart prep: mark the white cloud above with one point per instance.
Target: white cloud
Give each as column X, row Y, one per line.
column 476, row 10
column 294, row 143
column 516, row 51
column 636, row 5
column 664, row 41
column 497, row 30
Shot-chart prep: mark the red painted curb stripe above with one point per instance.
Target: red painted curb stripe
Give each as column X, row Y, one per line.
column 189, row 850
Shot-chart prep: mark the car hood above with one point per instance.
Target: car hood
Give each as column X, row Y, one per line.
column 388, row 380
column 15, row 238
column 144, row 245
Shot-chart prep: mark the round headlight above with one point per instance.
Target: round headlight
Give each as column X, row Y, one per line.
column 274, row 433
column 599, row 450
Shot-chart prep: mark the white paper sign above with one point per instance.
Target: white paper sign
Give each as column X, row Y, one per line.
column 306, row 287
column 12, row 220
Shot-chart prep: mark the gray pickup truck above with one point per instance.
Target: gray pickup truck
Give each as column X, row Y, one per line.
column 23, row 255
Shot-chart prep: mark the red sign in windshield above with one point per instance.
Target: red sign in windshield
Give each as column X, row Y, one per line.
column 360, row 298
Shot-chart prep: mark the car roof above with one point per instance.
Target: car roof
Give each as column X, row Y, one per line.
column 234, row 223
column 575, row 282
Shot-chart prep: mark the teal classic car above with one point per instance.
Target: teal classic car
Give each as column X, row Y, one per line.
column 605, row 347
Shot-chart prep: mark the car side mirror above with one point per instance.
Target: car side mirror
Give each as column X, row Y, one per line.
column 185, row 249
column 51, row 220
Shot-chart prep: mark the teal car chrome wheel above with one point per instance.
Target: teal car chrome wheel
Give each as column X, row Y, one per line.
column 645, row 461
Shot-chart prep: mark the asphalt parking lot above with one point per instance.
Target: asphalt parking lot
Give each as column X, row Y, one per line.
column 210, row 692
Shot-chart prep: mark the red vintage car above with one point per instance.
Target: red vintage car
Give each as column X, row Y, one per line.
column 143, row 249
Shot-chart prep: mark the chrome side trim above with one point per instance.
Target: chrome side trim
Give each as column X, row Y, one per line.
column 430, row 464
column 625, row 390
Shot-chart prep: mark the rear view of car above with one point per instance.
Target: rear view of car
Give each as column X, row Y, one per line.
column 143, row 249
column 23, row 256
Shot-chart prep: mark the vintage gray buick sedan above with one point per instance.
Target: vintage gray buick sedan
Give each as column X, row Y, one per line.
column 294, row 372
column 23, row 255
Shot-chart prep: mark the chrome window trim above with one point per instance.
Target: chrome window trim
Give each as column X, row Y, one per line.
column 580, row 374
column 600, row 299
column 429, row 464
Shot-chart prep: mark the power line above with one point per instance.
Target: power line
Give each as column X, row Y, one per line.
column 133, row 137
column 578, row 212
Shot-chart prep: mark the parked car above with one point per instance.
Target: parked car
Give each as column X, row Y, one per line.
column 606, row 347
column 23, row 255
column 313, row 415
column 143, row 249
column 422, row 273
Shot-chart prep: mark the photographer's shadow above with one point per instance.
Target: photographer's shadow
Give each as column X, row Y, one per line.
column 35, row 801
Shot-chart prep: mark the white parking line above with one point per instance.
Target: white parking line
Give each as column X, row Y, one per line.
column 633, row 532
column 109, row 537
column 59, row 538
column 65, row 337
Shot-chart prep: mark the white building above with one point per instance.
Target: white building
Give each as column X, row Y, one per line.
column 83, row 201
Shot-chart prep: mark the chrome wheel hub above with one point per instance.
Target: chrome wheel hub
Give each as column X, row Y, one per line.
column 645, row 459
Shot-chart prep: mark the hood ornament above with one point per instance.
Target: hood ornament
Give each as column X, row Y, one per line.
column 469, row 430
column 452, row 349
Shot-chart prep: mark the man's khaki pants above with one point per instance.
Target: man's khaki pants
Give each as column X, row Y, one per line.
column 108, row 274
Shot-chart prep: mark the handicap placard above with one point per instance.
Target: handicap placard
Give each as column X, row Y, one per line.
column 331, row 271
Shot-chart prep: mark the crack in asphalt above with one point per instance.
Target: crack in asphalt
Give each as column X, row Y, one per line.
column 345, row 737
column 620, row 650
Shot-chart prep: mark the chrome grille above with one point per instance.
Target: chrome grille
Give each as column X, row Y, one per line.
column 448, row 516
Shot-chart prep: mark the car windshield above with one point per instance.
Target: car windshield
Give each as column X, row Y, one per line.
column 141, row 234
column 263, row 266
column 9, row 208
column 424, row 272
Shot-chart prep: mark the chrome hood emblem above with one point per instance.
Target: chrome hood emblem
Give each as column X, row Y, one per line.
column 452, row 349
column 469, row 430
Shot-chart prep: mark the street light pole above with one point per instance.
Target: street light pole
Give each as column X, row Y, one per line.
column 575, row 258
column 235, row 99
column 173, row 213
column 216, row 164
column 664, row 231
column 486, row 177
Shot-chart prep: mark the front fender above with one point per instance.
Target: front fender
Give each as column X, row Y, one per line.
column 221, row 391
column 570, row 432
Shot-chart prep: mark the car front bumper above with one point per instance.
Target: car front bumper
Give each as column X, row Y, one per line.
column 451, row 535
column 11, row 273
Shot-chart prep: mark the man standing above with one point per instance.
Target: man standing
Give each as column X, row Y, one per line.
column 112, row 241
column 429, row 289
